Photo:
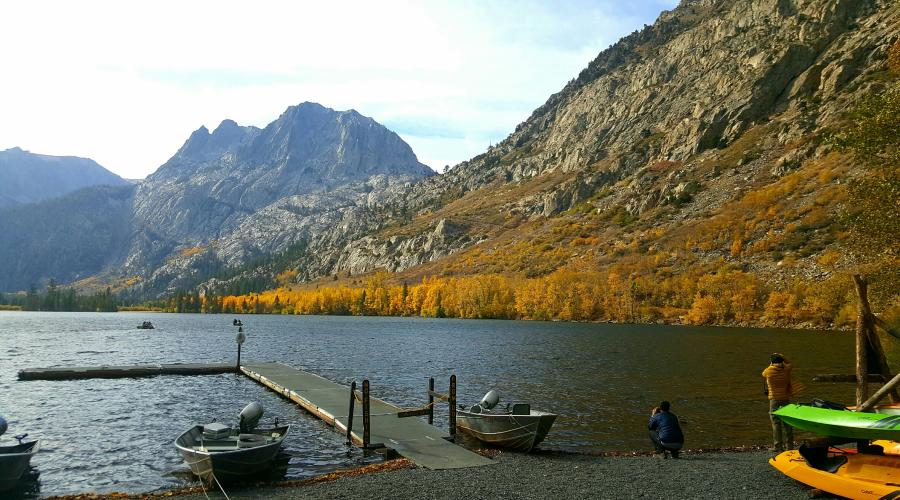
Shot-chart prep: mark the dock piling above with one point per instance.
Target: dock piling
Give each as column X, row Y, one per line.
column 366, row 414
column 452, row 403
column 431, row 401
column 350, row 413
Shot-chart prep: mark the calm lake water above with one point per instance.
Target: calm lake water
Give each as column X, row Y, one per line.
column 117, row 435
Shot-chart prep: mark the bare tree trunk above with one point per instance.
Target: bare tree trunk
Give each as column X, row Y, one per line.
column 862, row 366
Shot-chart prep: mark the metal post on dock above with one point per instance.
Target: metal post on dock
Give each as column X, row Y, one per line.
column 431, row 401
column 366, row 413
column 240, row 341
column 452, row 403
column 350, row 413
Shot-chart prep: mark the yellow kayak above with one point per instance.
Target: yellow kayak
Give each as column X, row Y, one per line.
column 890, row 447
column 851, row 475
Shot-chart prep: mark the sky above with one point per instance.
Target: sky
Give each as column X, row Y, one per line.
column 125, row 83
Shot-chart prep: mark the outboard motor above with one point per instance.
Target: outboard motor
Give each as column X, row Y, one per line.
column 490, row 400
column 250, row 416
column 3, row 426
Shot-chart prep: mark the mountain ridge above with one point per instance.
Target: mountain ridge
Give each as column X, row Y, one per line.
column 27, row 177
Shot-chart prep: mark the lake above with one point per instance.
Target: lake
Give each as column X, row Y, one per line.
column 602, row 380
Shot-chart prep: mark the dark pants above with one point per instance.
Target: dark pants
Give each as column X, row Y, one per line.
column 662, row 447
column 782, row 433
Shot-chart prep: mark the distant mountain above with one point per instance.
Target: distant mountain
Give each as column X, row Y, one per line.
column 225, row 197
column 65, row 238
column 27, row 177
column 217, row 180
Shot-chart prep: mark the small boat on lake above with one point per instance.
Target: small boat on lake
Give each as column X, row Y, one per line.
column 517, row 428
column 15, row 459
column 232, row 454
column 146, row 325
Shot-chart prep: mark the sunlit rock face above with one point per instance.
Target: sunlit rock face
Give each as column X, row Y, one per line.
column 674, row 93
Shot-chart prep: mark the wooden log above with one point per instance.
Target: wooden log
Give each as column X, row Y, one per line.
column 452, row 402
column 872, row 378
column 862, row 367
column 418, row 412
column 880, row 323
column 880, row 393
column 883, row 368
column 350, row 413
column 430, row 401
column 439, row 395
column 366, row 414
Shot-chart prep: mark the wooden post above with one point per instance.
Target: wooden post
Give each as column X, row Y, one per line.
column 430, row 401
column 452, row 404
column 865, row 322
column 366, row 413
column 862, row 365
column 350, row 413
column 879, row 394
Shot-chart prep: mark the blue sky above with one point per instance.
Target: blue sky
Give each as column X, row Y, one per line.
column 125, row 84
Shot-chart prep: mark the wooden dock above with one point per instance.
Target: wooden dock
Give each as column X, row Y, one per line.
column 423, row 444
column 125, row 371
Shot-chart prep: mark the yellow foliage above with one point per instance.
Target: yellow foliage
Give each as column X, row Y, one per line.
column 187, row 252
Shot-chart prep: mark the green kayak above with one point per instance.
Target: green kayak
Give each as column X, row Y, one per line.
column 841, row 423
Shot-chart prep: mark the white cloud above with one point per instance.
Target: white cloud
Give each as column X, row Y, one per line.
column 126, row 83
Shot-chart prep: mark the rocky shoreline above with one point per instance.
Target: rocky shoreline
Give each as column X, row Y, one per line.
column 732, row 473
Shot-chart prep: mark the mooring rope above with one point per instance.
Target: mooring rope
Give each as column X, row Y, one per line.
column 220, row 486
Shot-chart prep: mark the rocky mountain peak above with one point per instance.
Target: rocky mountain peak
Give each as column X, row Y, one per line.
column 222, row 181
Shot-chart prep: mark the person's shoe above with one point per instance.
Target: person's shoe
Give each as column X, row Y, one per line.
column 675, row 454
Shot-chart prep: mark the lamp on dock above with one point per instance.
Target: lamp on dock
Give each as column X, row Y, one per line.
column 241, row 338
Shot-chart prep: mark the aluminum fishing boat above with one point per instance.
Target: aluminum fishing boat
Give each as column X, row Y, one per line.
column 232, row 454
column 15, row 459
column 516, row 427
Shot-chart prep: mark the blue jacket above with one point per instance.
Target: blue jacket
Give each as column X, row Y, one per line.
column 666, row 426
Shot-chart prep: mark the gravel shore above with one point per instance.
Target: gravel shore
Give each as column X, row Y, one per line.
column 558, row 475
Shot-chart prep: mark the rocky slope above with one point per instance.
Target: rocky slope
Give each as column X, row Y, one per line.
column 66, row 239
column 669, row 127
column 27, row 177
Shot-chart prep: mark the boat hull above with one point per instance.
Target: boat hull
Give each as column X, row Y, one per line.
column 861, row 476
column 512, row 432
column 14, row 460
column 841, row 423
column 235, row 464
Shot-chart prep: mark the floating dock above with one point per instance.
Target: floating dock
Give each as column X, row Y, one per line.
column 421, row 443
column 125, row 371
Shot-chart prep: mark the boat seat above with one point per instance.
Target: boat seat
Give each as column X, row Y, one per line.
column 216, row 430
column 250, row 440
column 817, row 458
column 521, row 409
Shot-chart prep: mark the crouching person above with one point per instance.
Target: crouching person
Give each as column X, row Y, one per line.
column 665, row 431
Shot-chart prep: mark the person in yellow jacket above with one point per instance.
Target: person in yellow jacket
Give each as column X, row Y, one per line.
column 778, row 388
